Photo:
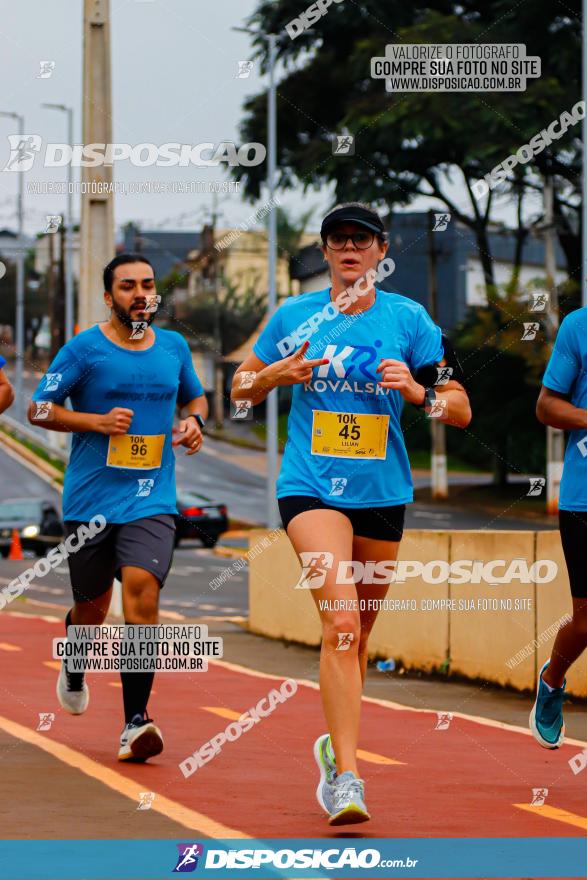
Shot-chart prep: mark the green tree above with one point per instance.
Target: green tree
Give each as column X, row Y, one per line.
column 414, row 144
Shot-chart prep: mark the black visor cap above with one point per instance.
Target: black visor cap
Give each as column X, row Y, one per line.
column 361, row 216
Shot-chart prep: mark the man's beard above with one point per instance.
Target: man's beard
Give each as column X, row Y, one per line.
column 124, row 317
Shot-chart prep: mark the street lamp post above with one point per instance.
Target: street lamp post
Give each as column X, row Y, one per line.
column 273, row 519
column 19, row 318
column 69, row 299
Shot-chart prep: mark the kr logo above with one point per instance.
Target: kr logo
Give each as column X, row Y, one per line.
column 361, row 357
column 314, row 568
column 336, row 361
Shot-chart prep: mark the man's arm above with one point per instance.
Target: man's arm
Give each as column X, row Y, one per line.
column 59, row 418
column 6, row 392
column 197, row 406
column 554, row 409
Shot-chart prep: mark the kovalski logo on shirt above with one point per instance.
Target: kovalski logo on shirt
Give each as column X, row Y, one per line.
column 344, row 361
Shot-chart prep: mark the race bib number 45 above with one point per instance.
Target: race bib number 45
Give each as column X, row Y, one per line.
column 141, row 451
column 349, row 435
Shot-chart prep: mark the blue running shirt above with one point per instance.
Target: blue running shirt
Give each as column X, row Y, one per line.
column 394, row 327
column 98, row 375
column 2, row 362
column 566, row 373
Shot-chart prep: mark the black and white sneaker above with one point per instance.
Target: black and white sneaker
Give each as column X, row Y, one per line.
column 72, row 691
column 141, row 739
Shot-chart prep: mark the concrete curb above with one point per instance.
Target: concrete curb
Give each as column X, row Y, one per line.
column 32, row 458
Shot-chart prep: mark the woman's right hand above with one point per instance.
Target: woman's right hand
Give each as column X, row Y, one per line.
column 295, row 368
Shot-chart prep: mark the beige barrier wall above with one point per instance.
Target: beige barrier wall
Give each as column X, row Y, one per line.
column 417, row 638
column 492, row 631
column 494, row 621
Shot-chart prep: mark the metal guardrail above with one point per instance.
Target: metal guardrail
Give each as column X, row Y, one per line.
column 25, row 432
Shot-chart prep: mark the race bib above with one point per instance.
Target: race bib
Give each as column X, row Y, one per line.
column 349, row 435
column 141, row 451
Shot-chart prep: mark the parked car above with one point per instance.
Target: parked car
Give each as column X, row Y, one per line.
column 199, row 518
column 36, row 520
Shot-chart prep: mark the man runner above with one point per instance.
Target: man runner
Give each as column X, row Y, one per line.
column 562, row 403
column 124, row 379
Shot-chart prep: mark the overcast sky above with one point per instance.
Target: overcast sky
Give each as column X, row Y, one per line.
column 174, row 66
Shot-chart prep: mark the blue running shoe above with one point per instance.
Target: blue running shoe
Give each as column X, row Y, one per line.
column 546, row 717
column 326, row 761
column 349, row 801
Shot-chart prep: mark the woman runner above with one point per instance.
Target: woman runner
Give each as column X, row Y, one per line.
column 353, row 354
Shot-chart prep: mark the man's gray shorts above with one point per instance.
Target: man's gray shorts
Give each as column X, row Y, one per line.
column 144, row 543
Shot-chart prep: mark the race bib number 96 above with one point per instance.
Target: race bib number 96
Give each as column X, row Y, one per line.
column 349, row 435
column 141, row 451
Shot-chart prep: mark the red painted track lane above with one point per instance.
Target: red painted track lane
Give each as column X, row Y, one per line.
column 463, row 781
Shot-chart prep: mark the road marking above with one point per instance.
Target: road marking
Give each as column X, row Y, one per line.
column 224, row 713
column 371, row 757
column 374, row 758
column 555, row 813
column 389, row 704
column 7, row 646
column 386, row 704
column 123, row 785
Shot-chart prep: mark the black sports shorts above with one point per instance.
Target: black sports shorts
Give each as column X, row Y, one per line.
column 573, row 528
column 378, row 523
column 145, row 543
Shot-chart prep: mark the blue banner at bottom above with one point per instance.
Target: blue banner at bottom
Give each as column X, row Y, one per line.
column 336, row 857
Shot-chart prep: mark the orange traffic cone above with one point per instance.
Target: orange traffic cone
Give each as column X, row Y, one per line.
column 15, row 552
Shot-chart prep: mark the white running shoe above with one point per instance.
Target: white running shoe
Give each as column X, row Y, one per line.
column 141, row 739
column 72, row 691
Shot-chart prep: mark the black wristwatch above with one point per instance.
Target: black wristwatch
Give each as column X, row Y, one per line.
column 198, row 419
column 429, row 398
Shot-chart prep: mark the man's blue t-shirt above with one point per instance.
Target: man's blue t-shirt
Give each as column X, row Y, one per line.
column 566, row 373
column 98, row 375
column 2, row 362
column 394, row 327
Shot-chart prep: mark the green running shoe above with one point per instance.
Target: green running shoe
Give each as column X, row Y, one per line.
column 324, row 757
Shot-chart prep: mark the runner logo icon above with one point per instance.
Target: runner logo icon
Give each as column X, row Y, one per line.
column 145, row 487
column 189, row 854
column 52, row 381
column 46, row 719
column 338, row 485
column 444, row 719
column 539, row 795
column 314, row 568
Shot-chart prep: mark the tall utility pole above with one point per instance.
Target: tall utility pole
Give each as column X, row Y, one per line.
column 19, row 316
column 68, row 226
column 554, row 436
column 584, row 164
column 439, row 474
column 97, row 215
column 218, row 362
column 272, row 399
column 272, row 442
